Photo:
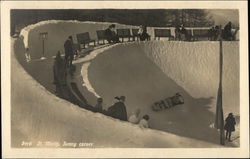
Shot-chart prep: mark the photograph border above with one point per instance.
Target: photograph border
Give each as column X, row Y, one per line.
column 242, row 151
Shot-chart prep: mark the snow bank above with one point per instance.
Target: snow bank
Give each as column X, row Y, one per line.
column 150, row 71
column 193, row 66
column 37, row 115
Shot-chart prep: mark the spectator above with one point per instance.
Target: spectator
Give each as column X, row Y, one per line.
column 134, row 118
column 69, row 51
column 98, row 105
column 211, row 33
column 27, row 55
column 111, row 34
column 143, row 35
column 235, row 33
column 59, row 73
column 184, row 33
column 118, row 110
column 227, row 33
column 217, row 33
column 177, row 32
column 229, row 126
column 144, row 122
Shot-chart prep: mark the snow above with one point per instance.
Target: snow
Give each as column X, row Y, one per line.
column 147, row 72
column 38, row 115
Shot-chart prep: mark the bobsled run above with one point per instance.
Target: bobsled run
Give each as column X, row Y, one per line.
column 149, row 74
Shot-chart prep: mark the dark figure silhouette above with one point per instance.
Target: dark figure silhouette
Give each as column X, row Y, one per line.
column 229, row 126
column 217, row 33
column 143, row 35
column 184, row 31
column 98, row 105
column 177, row 32
column 118, row 110
column 69, row 51
column 227, row 32
column 211, row 33
column 111, row 34
column 59, row 74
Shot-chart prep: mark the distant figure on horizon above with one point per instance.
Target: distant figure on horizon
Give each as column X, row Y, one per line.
column 227, row 32
column 69, row 51
column 134, row 118
column 111, row 34
column 59, row 73
column 217, row 33
column 229, row 126
column 142, row 32
column 177, row 32
column 118, row 110
column 184, row 33
column 98, row 105
column 144, row 122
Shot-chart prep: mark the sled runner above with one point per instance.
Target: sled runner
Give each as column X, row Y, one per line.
column 168, row 102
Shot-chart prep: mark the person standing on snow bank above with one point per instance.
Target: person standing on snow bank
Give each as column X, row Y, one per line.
column 59, row 73
column 142, row 32
column 27, row 55
column 118, row 110
column 134, row 118
column 144, row 122
column 229, row 126
column 227, row 32
column 98, row 105
column 69, row 51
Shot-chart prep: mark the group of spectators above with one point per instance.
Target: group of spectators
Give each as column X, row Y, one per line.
column 226, row 34
column 118, row 111
column 214, row 33
column 112, row 37
column 64, row 66
column 181, row 33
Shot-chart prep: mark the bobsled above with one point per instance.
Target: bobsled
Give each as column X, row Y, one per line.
column 169, row 102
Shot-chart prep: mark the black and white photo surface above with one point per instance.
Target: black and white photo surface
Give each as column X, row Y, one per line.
column 83, row 77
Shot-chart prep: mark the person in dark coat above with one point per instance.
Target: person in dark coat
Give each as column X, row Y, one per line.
column 184, row 32
column 59, row 73
column 143, row 35
column 118, row 110
column 229, row 126
column 98, row 105
column 227, row 32
column 69, row 51
column 177, row 32
column 111, row 35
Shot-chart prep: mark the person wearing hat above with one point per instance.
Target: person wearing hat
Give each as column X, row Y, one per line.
column 111, row 35
column 98, row 105
column 59, row 73
column 118, row 110
column 229, row 126
column 69, row 51
column 144, row 122
column 134, row 118
column 227, row 32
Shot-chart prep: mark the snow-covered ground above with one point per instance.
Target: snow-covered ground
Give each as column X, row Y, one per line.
column 143, row 72
column 150, row 71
